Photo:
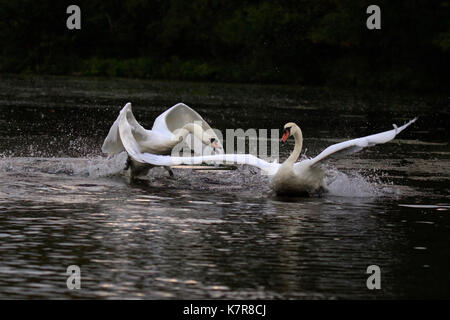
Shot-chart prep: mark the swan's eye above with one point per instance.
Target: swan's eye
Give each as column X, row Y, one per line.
column 212, row 140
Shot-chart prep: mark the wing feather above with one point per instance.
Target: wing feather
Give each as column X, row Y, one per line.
column 247, row 159
column 355, row 145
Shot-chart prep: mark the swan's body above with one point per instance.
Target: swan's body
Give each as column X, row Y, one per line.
column 176, row 124
column 290, row 177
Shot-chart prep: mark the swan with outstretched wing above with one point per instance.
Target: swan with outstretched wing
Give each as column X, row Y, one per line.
column 289, row 177
column 178, row 123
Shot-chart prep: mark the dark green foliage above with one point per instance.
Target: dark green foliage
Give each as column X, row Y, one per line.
column 304, row 42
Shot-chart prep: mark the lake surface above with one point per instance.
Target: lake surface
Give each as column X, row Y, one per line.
column 207, row 234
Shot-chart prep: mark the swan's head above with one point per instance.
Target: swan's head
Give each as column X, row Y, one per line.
column 210, row 140
column 289, row 129
column 206, row 136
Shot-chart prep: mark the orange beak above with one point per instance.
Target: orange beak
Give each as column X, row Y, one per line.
column 285, row 136
column 215, row 145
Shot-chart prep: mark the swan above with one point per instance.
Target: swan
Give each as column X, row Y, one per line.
column 169, row 129
column 290, row 177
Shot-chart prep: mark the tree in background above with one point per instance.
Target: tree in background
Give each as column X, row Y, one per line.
column 320, row 42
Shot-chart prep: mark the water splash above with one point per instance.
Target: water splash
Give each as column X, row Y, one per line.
column 101, row 167
column 94, row 167
column 244, row 178
column 354, row 184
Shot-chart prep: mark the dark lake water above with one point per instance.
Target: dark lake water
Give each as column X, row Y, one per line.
column 220, row 234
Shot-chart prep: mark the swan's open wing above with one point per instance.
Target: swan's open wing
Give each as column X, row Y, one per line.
column 248, row 159
column 355, row 145
column 113, row 143
column 178, row 116
column 126, row 134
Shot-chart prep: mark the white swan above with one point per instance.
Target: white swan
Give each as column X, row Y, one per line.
column 176, row 124
column 290, row 177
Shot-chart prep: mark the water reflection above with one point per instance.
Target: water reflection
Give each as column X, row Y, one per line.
column 219, row 234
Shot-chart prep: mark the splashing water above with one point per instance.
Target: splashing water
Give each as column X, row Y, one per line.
column 354, row 184
column 95, row 167
column 244, row 177
column 101, row 167
column 206, row 234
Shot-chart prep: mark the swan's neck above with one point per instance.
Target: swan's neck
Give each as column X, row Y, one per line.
column 193, row 128
column 298, row 137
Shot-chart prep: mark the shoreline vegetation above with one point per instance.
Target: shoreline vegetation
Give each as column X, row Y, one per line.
column 281, row 96
column 313, row 43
